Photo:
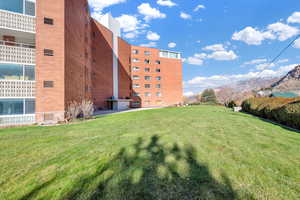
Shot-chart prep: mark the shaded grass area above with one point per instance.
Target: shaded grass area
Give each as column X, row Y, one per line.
column 201, row 152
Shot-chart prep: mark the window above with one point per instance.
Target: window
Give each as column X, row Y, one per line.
column 17, row 72
column 157, row 70
column 48, row 52
column 135, row 77
column 29, row 73
column 147, row 94
column 49, row 21
column 11, row 72
column 135, row 51
column 48, row 84
column 29, row 7
column 147, row 78
column 158, row 78
column 158, row 86
column 136, row 86
column 157, row 62
column 147, row 53
column 136, row 94
column 135, row 69
column 136, row 103
column 147, row 69
column 17, row 106
column 147, row 86
column 147, row 61
column 135, row 60
column 12, row 5
column 158, row 94
column 168, row 54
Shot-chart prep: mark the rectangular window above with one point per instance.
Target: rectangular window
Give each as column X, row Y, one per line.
column 147, row 86
column 136, row 103
column 11, row 106
column 135, row 94
column 11, row 72
column 147, row 61
column 48, row 84
column 147, row 94
column 135, row 69
column 135, row 77
column 29, row 73
column 48, row 21
column 158, row 78
column 147, row 78
column 158, row 94
column 147, row 69
column 135, row 60
column 157, row 62
column 12, row 5
column 136, row 86
column 135, row 51
column 29, row 7
column 147, row 53
column 29, row 106
column 157, row 70
column 48, row 52
column 158, row 86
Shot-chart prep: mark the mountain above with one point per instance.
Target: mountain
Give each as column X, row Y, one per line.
column 289, row 83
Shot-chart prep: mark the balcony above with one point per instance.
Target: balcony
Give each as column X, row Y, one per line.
column 17, row 88
column 11, row 52
column 17, row 21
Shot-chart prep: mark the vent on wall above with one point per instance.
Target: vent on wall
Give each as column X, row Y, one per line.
column 48, row 21
column 48, row 52
column 48, row 84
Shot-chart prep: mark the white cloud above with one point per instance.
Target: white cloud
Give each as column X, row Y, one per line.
column 252, row 36
column 215, row 47
column 223, row 55
column 194, row 61
column 283, row 31
column 153, row 36
column 283, row 61
column 199, row 7
column 149, row 12
column 188, row 94
column 168, row 3
column 150, row 44
column 128, row 22
column 264, row 66
column 184, row 15
column 297, row 44
column 294, row 18
column 97, row 15
column 255, row 61
column 219, row 80
column 172, row 45
column 99, row 5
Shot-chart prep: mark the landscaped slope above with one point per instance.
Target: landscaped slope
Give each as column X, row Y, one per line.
column 188, row 153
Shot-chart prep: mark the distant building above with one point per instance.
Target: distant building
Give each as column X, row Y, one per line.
column 52, row 52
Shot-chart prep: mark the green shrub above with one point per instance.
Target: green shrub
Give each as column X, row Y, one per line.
column 231, row 104
column 283, row 110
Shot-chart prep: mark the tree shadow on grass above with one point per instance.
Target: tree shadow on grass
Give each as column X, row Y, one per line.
column 152, row 171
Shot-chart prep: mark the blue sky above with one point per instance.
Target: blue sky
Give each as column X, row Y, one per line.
column 221, row 41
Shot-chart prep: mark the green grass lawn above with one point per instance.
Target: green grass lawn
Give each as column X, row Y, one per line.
column 201, row 152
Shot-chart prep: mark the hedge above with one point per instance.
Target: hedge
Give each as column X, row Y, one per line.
column 283, row 110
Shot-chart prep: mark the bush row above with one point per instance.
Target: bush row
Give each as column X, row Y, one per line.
column 283, row 110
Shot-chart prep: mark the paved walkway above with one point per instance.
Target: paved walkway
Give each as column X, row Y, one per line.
column 108, row 112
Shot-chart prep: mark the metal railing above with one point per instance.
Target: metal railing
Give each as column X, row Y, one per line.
column 14, row 120
column 17, row 88
column 17, row 21
column 12, row 52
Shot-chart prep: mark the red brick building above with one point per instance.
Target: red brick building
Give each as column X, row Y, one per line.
column 71, row 57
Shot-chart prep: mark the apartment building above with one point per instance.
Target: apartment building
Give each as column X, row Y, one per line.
column 50, row 57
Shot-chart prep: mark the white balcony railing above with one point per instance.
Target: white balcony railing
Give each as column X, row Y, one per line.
column 11, row 52
column 13, row 89
column 14, row 120
column 17, row 21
